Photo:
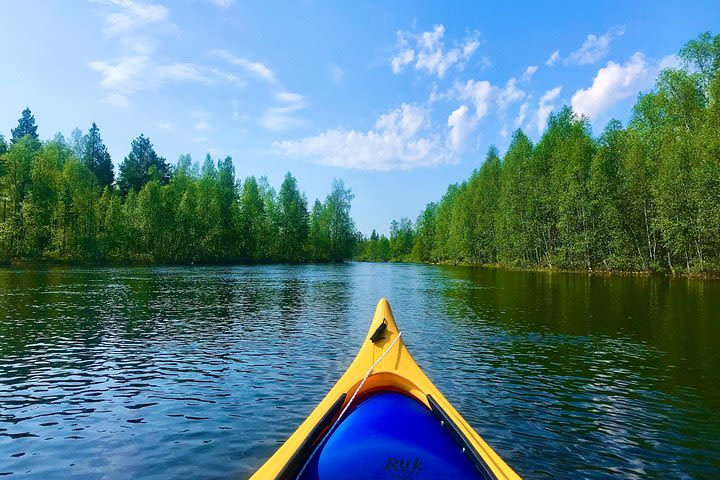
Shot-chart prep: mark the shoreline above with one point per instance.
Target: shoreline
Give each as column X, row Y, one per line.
column 589, row 272
column 53, row 262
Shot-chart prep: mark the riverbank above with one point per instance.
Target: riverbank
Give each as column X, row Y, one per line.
column 58, row 262
column 52, row 262
column 546, row 269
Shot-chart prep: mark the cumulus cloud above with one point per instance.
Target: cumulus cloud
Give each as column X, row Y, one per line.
column 594, row 47
column 461, row 124
column 401, row 139
column 479, row 92
column 426, row 51
column 554, row 57
column 509, row 94
column 616, row 82
column 132, row 14
column 255, row 68
column 546, row 106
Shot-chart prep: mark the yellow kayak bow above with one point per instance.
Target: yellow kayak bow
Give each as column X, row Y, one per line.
column 366, row 424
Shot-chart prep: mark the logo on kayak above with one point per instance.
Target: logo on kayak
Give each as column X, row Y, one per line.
column 403, row 467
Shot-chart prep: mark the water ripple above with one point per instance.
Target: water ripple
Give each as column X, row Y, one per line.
column 203, row 372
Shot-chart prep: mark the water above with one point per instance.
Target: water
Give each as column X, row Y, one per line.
column 202, row 372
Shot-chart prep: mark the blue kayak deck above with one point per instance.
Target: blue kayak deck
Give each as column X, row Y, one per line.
column 389, row 435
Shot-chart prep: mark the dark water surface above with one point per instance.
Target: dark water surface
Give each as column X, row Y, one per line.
column 202, row 372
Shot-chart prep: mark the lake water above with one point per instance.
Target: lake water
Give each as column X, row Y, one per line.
column 201, row 372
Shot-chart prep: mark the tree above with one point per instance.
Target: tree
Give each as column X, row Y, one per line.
column 702, row 55
column 134, row 170
column 26, row 126
column 484, row 192
column 97, row 159
column 77, row 142
column 292, row 220
column 514, row 222
column 341, row 227
column 229, row 209
column 401, row 239
column 252, row 221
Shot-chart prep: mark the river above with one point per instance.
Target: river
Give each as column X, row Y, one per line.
column 201, row 372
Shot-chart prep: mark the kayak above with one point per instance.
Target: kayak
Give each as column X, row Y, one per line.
column 384, row 418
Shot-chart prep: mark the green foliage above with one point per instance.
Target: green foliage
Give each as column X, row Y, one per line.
column 644, row 197
column 26, row 126
column 56, row 204
column 292, row 220
column 135, row 168
column 96, row 157
column 401, row 240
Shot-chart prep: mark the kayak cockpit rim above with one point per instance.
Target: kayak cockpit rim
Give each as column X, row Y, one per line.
column 293, row 467
column 461, row 439
column 303, row 454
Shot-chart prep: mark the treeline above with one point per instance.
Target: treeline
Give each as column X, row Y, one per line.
column 59, row 200
column 641, row 197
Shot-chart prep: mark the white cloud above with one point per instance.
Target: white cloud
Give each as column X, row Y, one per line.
column 614, row 83
column 165, row 126
column 202, row 126
column 132, row 14
column 401, row 139
column 554, row 57
column 479, row 92
column 522, row 113
column 594, row 47
column 546, row 106
column 403, row 58
column 504, row 131
column 135, row 73
column 181, row 72
column 427, row 51
column 284, row 116
column 509, row 94
column 122, row 75
column 461, row 125
column 336, row 73
column 289, row 97
column 529, row 72
column 255, row 68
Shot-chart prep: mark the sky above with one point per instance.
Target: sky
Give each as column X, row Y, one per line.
column 399, row 99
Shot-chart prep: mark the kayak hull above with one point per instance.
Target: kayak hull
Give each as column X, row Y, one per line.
column 390, row 402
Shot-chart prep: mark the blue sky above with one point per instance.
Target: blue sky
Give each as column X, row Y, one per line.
column 399, row 99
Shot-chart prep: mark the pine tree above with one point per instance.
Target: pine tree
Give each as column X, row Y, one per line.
column 26, row 126
column 97, row 159
column 135, row 167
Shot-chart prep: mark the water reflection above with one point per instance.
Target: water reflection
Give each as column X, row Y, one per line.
column 200, row 372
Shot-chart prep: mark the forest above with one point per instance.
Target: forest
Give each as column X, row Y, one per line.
column 639, row 197
column 60, row 200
